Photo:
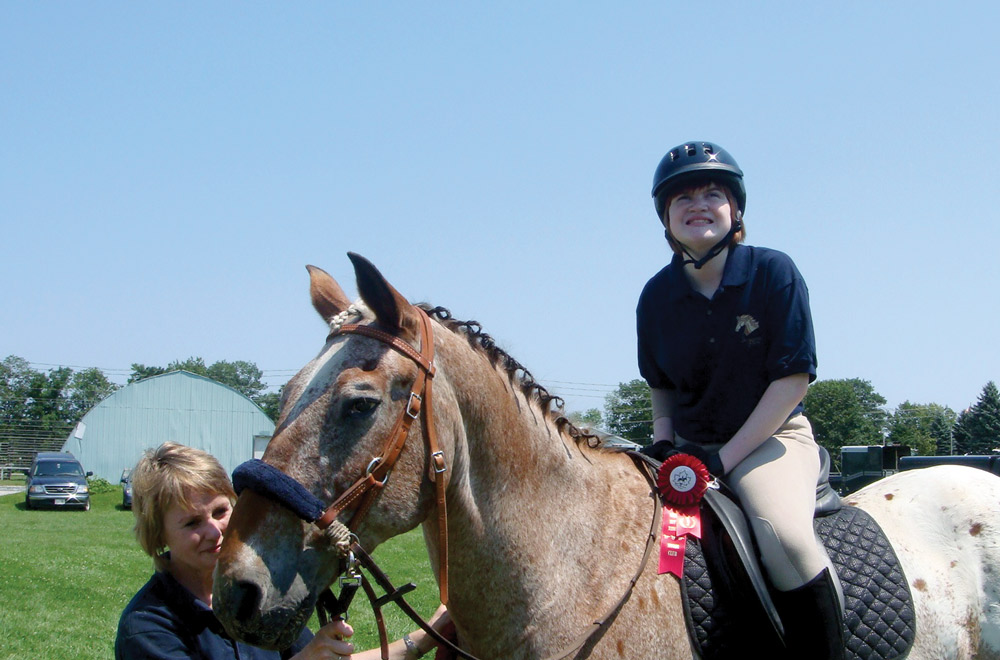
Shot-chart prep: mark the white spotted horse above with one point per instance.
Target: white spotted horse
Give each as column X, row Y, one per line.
column 538, row 533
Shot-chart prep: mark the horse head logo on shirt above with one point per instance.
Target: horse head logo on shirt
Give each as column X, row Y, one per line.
column 747, row 324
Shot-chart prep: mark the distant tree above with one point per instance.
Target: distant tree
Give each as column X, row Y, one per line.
column 38, row 408
column 140, row 371
column 86, row 389
column 240, row 375
column 194, row 365
column 845, row 412
column 46, row 398
column 977, row 430
column 589, row 418
column 270, row 402
column 16, row 376
column 628, row 412
column 925, row 428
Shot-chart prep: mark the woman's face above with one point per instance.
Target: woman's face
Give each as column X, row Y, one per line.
column 194, row 535
column 700, row 217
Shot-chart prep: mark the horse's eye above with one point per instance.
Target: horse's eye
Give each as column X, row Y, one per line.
column 362, row 406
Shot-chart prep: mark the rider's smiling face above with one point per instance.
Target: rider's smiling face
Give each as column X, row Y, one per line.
column 700, row 217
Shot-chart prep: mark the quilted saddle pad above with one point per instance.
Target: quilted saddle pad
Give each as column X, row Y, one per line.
column 726, row 622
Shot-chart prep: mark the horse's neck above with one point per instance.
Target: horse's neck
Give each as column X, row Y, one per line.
column 532, row 514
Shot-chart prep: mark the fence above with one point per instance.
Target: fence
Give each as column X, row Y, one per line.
column 16, row 452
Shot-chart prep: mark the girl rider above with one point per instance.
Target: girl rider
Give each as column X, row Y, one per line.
column 726, row 343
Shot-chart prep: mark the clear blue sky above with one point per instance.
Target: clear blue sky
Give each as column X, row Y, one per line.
column 168, row 169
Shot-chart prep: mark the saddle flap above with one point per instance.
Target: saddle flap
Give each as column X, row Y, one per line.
column 736, row 555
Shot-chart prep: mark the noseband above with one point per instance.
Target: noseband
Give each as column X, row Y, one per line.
column 274, row 484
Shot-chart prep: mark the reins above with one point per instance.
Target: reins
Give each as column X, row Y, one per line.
column 278, row 486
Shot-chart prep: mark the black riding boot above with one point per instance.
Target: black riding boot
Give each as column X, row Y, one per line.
column 813, row 620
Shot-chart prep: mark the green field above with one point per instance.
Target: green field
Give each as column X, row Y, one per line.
column 66, row 575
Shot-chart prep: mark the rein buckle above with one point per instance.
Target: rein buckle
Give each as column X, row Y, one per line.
column 371, row 468
column 413, row 405
column 439, row 465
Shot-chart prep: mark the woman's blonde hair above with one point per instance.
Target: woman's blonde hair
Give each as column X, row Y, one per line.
column 166, row 476
column 735, row 214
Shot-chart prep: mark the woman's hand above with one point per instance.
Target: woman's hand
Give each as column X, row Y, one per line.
column 329, row 643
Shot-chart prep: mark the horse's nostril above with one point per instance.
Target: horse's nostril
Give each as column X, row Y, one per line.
column 247, row 596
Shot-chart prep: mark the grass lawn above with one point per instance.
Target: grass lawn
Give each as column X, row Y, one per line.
column 65, row 577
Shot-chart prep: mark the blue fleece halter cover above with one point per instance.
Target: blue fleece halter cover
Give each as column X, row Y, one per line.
column 267, row 480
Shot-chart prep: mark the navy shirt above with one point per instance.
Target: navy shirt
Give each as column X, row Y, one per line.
column 718, row 356
column 165, row 620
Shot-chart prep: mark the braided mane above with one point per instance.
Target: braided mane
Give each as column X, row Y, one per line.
column 552, row 406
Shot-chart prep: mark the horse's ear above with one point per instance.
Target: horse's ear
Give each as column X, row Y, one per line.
column 391, row 309
column 327, row 296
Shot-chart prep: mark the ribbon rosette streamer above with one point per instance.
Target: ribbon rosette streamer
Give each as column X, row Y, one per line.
column 682, row 481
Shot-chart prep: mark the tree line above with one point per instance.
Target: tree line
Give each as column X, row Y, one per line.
column 44, row 405
column 842, row 412
column 39, row 407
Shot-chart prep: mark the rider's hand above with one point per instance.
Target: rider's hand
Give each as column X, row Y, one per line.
column 659, row 450
column 329, row 643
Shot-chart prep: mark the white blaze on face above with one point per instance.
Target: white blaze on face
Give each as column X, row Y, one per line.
column 321, row 372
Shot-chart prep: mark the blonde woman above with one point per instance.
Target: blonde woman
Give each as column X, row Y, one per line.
column 182, row 499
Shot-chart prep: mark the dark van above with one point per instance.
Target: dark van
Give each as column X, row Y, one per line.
column 57, row 480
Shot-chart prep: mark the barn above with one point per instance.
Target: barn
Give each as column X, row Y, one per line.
column 178, row 406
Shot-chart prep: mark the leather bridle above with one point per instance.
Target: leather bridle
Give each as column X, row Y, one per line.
column 363, row 492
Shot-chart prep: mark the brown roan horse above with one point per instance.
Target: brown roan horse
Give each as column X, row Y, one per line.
column 545, row 529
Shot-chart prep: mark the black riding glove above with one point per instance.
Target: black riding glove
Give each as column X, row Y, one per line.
column 660, row 450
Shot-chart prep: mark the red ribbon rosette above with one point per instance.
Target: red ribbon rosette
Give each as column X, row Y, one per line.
column 682, row 480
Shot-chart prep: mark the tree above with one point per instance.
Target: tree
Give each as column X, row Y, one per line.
column 140, row 371
column 244, row 377
column 194, row 365
column 977, row 430
column 628, row 412
column 16, row 376
column 240, row 375
column 86, row 389
column 923, row 427
column 845, row 412
column 589, row 418
column 38, row 409
column 270, row 403
column 46, row 400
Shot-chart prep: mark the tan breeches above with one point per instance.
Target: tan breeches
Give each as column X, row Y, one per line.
column 776, row 485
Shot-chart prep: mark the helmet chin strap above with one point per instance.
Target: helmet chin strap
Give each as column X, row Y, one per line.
column 716, row 250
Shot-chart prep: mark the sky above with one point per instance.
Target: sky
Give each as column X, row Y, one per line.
column 167, row 170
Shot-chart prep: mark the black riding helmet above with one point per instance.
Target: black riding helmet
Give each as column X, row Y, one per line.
column 694, row 162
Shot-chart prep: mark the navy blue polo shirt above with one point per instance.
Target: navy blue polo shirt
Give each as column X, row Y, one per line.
column 718, row 356
column 165, row 620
